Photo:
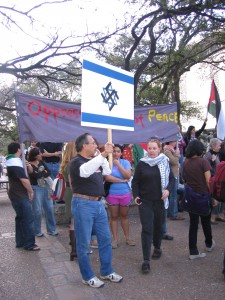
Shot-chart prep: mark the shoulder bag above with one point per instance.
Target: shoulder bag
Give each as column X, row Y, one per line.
column 197, row 203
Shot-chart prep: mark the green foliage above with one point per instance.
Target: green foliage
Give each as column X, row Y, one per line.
column 191, row 109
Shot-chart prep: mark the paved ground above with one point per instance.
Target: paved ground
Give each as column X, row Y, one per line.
column 48, row 274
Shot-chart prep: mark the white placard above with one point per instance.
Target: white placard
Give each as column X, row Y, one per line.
column 107, row 96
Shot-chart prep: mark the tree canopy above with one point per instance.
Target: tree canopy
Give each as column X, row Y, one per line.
column 166, row 41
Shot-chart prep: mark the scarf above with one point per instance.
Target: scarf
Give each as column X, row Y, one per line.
column 13, row 161
column 213, row 152
column 162, row 162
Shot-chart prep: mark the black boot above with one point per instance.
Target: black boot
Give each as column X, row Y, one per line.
column 73, row 253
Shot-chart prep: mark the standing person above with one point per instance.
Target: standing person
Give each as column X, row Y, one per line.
column 67, row 156
column 52, row 154
column 192, row 134
column 222, row 151
column 32, row 145
column 181, row 146
column 196, row 173
column 151, row 186
column 21, row 194
column 214, row 159
column 42, row 197
column 119, row 197
column 173, row 154
column 89, row 212
column 1, row 169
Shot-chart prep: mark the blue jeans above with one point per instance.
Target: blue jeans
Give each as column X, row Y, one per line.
column 40, row 201
column 54, row 169
column 24, row 223
column 173, row 205
column 88, row 215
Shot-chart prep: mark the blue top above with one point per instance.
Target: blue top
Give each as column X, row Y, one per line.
column 120, row 188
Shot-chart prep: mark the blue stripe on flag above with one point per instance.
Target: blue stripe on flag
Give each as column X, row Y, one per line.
column 93, row 118
column 107, row 72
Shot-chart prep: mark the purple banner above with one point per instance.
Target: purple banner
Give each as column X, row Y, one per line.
column 47, row 120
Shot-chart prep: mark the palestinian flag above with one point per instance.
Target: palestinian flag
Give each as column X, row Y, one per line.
column 214, row 105
column 139, row 151
column 216, row 110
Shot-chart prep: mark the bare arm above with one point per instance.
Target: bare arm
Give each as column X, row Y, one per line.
column 29, row 167
column 48, row 154
column 207, row 177
column 110, row 178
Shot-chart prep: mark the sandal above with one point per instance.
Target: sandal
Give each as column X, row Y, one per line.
column 130, row 242
column 114, row 244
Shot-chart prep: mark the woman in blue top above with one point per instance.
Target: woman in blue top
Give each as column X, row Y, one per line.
column 119, row 197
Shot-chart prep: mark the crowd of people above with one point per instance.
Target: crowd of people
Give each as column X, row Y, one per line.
column 152, row 184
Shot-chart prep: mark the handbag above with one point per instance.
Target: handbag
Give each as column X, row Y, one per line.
column 197, row 203
column 107, row 187
column 58, row 187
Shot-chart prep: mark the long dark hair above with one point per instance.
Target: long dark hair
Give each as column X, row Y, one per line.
column 33, row 153
column 121, row 149
column 188, row 134
column 195, row 147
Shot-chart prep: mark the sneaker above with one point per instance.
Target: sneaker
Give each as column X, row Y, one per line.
column 113, row 277
column 33, row 248
column 94, row 244
column 195, row 256
column 145, row 267
column 39, row 234
column 94, row 282
column 167, row 237
column 54, row 233
column 210, row 249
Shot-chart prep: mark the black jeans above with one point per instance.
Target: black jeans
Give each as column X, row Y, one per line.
column 193, row 231
column 151, row 217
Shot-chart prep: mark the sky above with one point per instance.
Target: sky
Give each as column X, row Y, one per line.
column 75, row 17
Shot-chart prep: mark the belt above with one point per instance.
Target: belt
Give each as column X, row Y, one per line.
column 87, row 197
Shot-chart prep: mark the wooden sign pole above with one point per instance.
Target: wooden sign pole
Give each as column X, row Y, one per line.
column 110, row 141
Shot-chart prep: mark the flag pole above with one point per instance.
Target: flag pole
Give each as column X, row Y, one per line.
column 110, row 141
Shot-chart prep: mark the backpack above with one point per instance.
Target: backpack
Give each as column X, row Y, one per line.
column 217, row 183
column 58, row 187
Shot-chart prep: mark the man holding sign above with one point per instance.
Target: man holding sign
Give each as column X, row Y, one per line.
column 86, row 177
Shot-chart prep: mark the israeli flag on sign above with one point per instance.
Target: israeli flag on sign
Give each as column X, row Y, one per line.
column 107, row 96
